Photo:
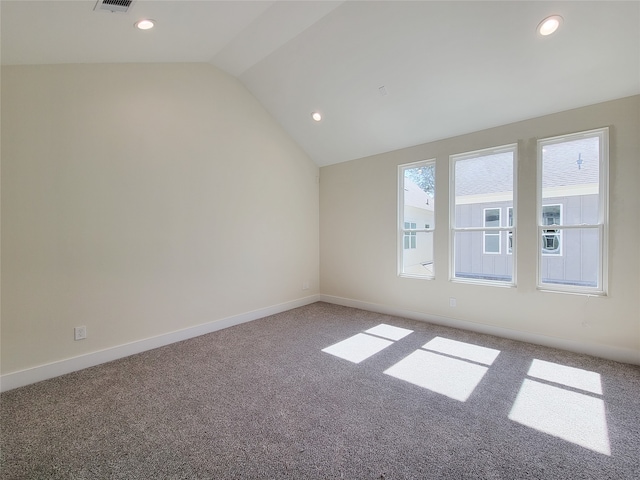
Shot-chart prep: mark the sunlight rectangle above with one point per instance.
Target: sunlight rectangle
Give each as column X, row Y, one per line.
column 358, row 348
column 468, row 351
column 444, row 375
column 389, row 331
column 571, row 416
column 569, row 376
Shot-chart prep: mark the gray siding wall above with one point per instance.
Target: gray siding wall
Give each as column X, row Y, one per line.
column 576, row 263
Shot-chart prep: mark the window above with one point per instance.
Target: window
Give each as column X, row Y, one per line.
column 491, row 242
column 551, row 215
column 510, row 232
column 572, row 197
column 416, row 194
column 482, row 189
column 410, row 235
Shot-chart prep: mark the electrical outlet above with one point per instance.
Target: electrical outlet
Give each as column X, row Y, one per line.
column 80, row 333
column 305, row 285
column 452, row 302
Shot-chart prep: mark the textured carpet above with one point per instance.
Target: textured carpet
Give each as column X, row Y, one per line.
column 263, row 400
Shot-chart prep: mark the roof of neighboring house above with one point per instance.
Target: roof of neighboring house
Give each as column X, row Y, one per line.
column 493, row 173
column 487, row 174
column 561, row 163
column 414, row 196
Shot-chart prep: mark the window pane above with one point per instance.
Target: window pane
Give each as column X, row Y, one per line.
column 419, row 260
column 483, row 182
column 491, row 243
column 470, row 261
column 551, row 215
column 570, row 177
column 551, row 242
column 579, row 263
column 419, row 192
column 492, row 217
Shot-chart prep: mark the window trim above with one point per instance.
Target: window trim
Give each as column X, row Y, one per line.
column 400, row 222
column 603, row 214
column 453, row 158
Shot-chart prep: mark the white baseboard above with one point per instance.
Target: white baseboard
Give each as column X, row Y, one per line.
column 20, row 378
column 618, row 354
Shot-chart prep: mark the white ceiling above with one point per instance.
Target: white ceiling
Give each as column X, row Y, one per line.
column 449, row 67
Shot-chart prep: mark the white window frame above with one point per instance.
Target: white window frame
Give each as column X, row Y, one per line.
column 602, row 225
column 401, row 228
column 491, row 234
column 512, row 147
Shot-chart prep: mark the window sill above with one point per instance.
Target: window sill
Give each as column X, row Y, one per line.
column 487, row 283
column 565, row 291
column 416, row 276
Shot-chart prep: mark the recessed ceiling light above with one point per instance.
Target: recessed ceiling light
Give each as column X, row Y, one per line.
column 549, row 25
column 145, row 24
column 316, row 116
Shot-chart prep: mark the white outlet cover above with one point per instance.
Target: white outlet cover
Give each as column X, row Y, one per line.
column 80, row 333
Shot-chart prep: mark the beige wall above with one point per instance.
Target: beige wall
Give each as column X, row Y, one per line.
column 142, row 199
column 358, row 215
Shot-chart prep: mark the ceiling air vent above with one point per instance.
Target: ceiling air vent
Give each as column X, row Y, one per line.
column 121, row 6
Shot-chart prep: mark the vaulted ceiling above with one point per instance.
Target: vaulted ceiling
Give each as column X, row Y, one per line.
column 447, row 68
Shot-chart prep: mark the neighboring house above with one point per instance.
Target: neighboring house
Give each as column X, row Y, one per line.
column 484, row 198
column 418, row 214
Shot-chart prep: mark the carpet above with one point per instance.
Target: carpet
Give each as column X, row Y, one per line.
column 330, row 392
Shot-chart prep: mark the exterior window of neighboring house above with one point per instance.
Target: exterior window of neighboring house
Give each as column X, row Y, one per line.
column 573, row 198
column 491, row 242
column 510, row 233
column 551, row 215
column 416, row 222
column 410, row 235
column 482, row 185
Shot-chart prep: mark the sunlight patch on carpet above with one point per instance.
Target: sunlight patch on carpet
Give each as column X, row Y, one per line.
column 475, row 353
column 358, row 348
column 572, row 416
column 569, row 376
column 389, row 331
column 441, row 374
